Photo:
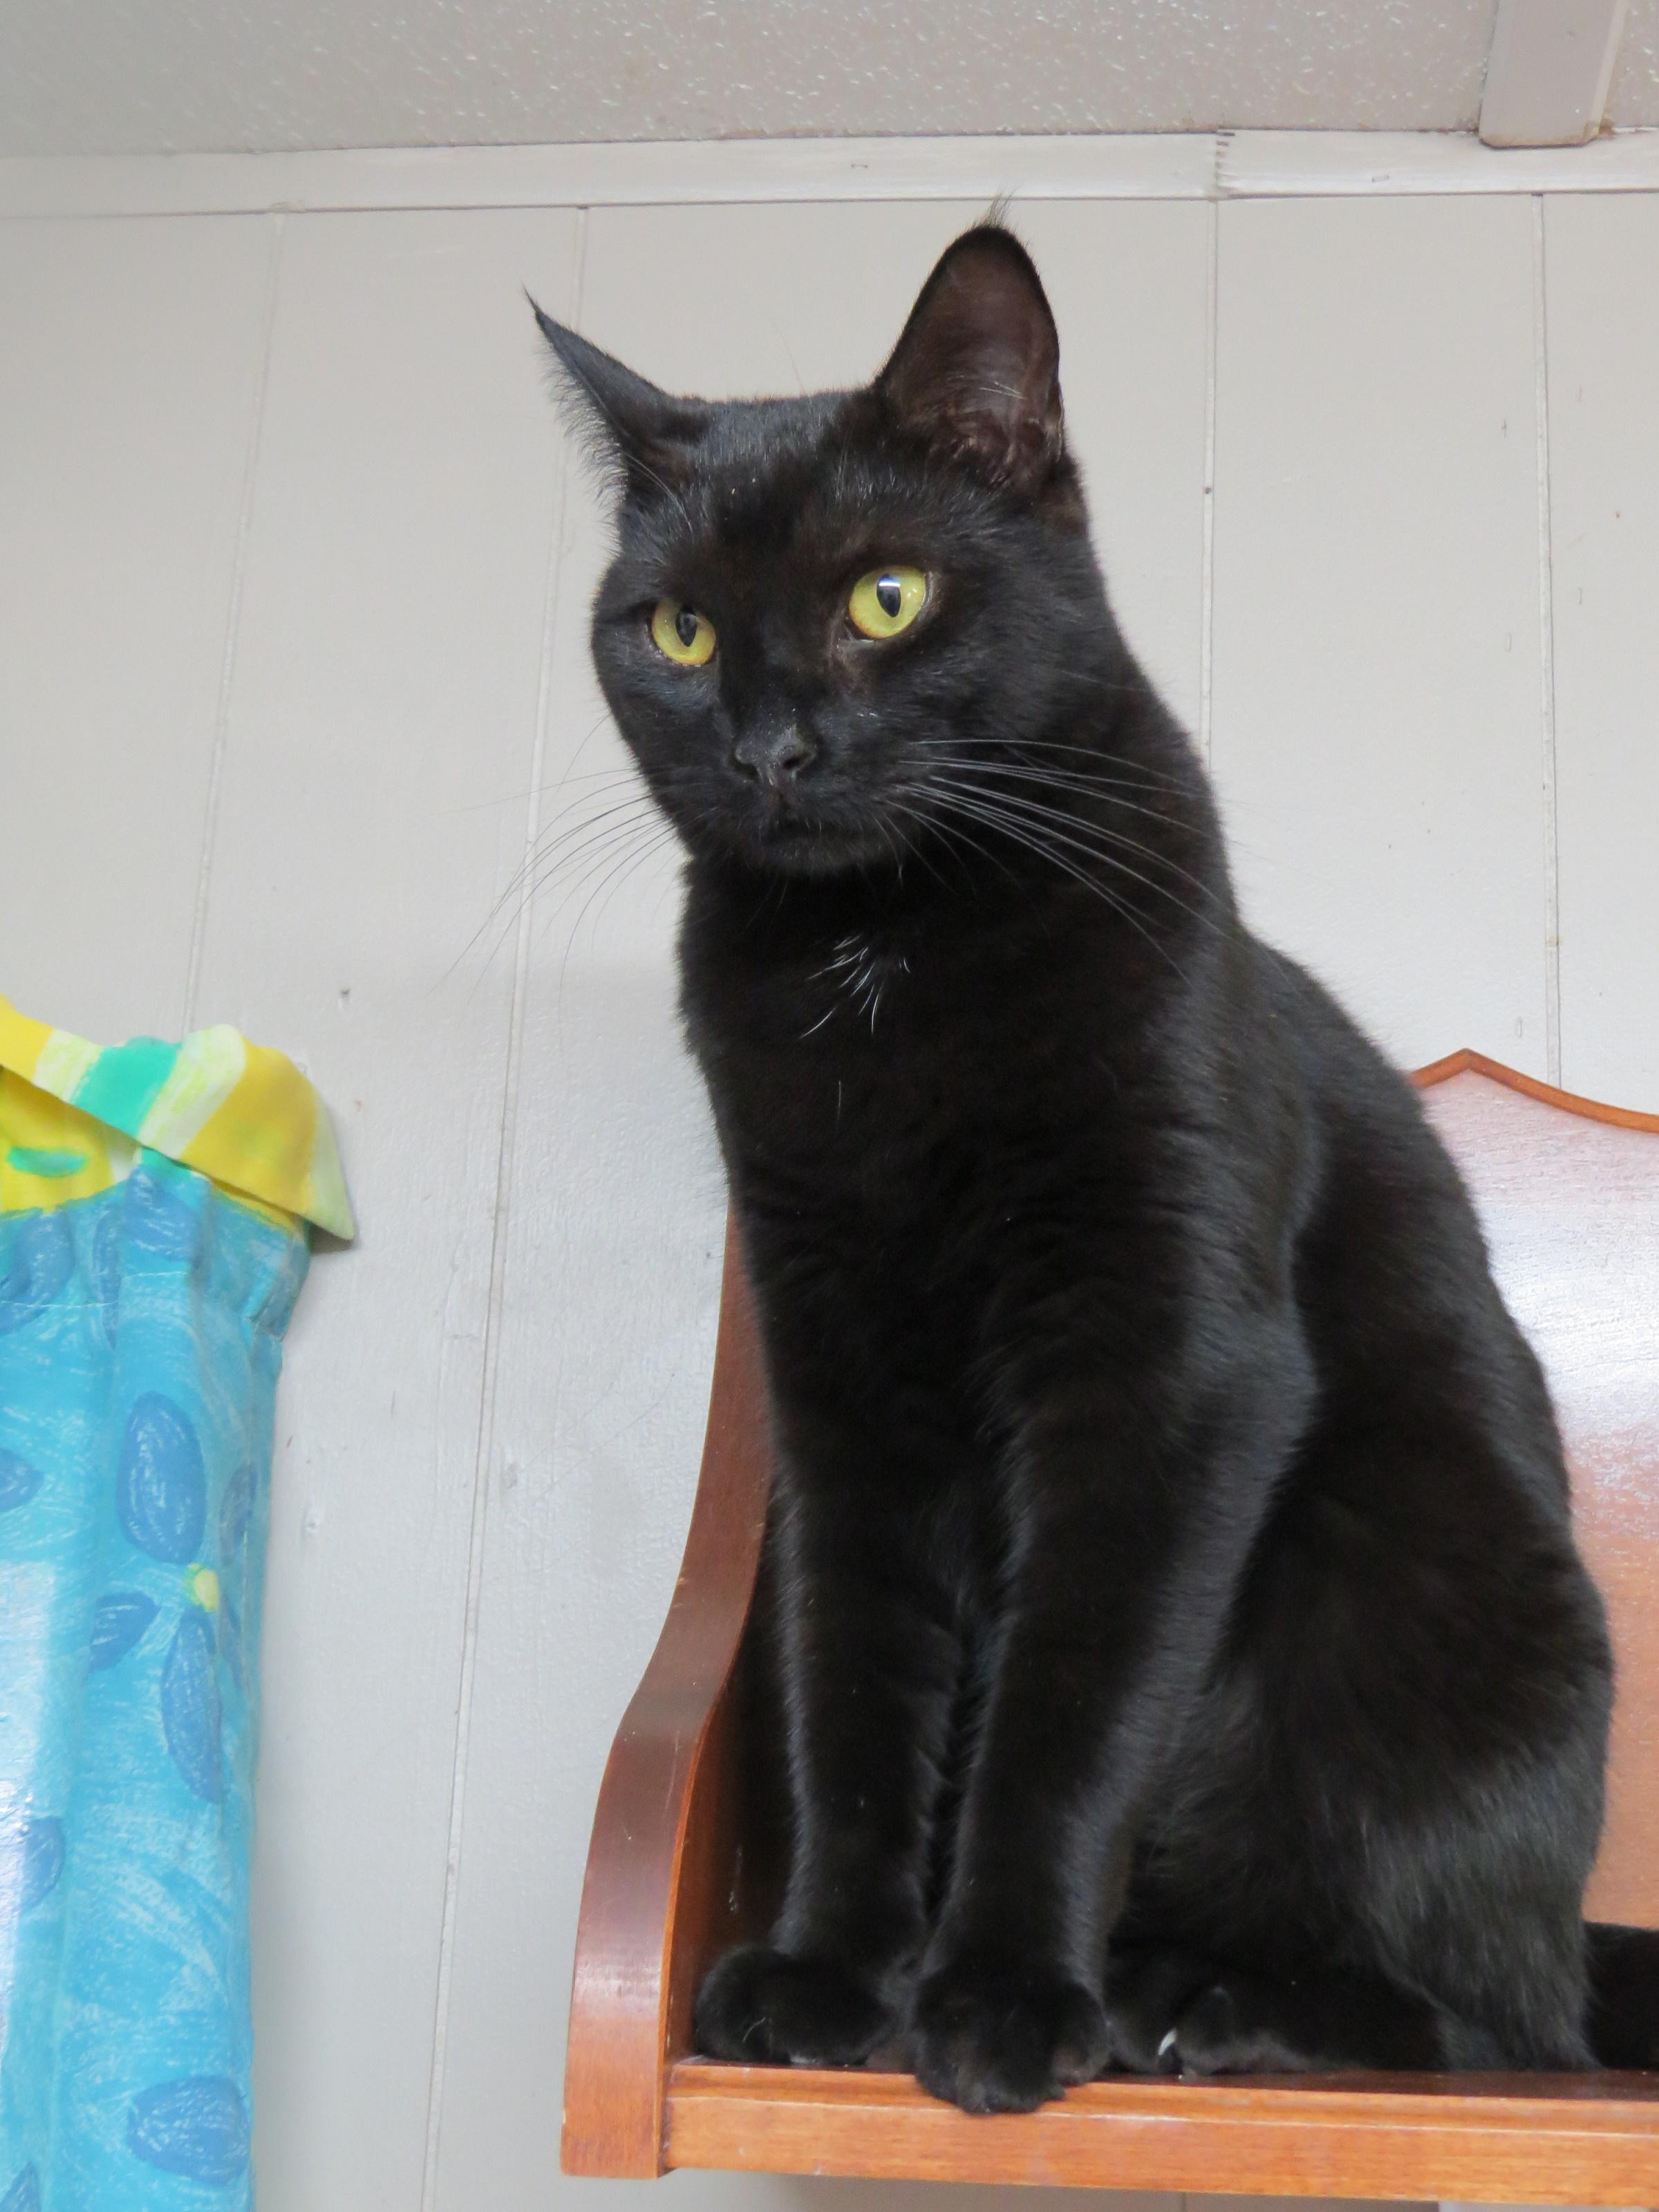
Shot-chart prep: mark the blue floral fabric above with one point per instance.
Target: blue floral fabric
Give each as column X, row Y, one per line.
column 140, row 1339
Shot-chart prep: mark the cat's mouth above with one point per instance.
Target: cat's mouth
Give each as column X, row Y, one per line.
column 817, row 841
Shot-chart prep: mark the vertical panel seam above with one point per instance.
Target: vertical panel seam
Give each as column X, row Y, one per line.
column 1547, row 651
column 274, row 228
column 1207, row 613
column 485, row 1441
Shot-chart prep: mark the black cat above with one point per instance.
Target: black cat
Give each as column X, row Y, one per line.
column 1186, row 1662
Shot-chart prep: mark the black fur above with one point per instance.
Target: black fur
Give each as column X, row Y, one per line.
column 1186, row 1660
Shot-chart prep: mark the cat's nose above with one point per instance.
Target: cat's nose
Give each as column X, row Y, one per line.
column 775, row 756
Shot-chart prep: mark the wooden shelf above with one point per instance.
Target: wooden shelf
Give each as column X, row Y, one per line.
column 1543, row 2140
column 684, row 1854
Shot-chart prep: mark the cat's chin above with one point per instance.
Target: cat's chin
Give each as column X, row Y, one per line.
column 811, row 850
column 822, row 862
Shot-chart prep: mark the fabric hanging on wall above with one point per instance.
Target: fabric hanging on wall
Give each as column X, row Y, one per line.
column 154, row 1201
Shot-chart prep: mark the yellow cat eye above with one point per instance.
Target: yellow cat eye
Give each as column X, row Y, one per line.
column 681, row 633
column 887, row 600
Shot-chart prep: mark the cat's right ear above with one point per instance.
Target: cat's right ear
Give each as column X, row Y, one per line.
column 641, row 438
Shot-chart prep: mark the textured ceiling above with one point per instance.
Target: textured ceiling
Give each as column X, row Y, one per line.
column 121, row 76
column 1634, row 94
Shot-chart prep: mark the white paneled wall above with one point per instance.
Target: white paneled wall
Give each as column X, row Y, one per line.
column 1603, row 269
column 1376, row 710
column 293, row 684
column 130, row 365
column 385, row 680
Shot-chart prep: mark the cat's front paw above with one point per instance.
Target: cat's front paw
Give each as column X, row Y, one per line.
column 764, row 2007
column 996, row 2039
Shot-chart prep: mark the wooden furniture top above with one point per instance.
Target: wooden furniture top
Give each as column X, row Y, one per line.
column 1568, row 1193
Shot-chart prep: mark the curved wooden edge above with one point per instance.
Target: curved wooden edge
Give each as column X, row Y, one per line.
column 1467, row 1061
column 654, row 1880
column 1574, row 2139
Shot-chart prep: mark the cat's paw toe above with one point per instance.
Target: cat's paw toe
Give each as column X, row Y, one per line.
column 764, row 2007
column 1227, row 2028
column 994, row 2039
column 1146, row 1993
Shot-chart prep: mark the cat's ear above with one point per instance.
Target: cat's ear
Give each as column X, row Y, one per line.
column 640, row 435
column 977, row 373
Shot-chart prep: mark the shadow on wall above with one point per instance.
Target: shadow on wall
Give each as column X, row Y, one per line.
column 725, row 2192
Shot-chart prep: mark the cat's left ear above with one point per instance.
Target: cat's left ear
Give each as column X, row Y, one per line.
column 977, row 373
column 635, row 431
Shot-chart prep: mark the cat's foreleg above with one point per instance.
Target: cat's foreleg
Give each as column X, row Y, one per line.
column 868, row 1660
column 1132, row 1518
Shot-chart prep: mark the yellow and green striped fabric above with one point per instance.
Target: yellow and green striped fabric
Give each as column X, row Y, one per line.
column 74, row 1117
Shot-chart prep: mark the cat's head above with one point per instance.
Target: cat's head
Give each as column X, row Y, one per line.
column 821, row 610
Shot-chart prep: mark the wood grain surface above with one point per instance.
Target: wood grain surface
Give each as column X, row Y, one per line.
column 657, row 1879
column 1568, row 1193
column 1544, row 2141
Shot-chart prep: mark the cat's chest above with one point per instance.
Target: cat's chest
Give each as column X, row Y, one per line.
column 893, row 1018
column 878, row 1061
column 861, row 972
